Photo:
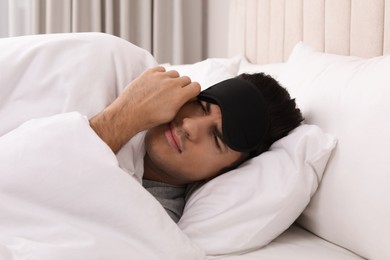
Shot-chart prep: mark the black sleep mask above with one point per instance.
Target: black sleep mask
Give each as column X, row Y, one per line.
column 245, row 117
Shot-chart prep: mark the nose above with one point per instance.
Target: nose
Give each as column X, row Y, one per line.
column 197, row 127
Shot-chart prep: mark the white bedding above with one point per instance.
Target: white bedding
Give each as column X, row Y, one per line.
column 60, row 201
column 57, row 201
column 298, row 244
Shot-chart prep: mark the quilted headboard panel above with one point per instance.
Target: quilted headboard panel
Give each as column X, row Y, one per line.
column 267, row 30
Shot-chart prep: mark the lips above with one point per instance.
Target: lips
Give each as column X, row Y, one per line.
column 173, row 140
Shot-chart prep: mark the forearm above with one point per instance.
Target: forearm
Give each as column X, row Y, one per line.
column 113, row 129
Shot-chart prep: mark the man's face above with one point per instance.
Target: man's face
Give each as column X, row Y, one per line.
column 190, row 148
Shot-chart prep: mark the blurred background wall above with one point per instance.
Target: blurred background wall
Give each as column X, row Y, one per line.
column 174, row 31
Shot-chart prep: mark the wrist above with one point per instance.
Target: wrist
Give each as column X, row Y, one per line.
column 113, row 128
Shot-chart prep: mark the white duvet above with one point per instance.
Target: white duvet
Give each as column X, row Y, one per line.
column 63, row 193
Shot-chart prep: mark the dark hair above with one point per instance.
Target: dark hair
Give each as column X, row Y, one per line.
column 284, row 115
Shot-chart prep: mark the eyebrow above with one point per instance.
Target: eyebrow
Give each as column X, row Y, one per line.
column 216, row 129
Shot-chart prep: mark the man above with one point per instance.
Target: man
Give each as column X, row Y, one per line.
column 195, row 136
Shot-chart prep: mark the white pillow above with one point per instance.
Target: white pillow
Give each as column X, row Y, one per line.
column 248, row 207
column 349, row 97
column 209, row 72
column 272, row 69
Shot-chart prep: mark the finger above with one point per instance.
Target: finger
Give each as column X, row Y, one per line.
column 173, row 74
column 190, row 91
column 183, row 81
column 158, row 69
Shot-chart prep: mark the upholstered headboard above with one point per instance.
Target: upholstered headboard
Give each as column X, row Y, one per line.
column 267, row 30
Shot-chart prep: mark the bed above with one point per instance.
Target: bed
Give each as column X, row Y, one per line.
column 319, row 193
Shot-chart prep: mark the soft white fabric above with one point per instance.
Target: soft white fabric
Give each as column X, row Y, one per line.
column 296, row 244
column 51, row 74
column 63, row 196
column 44, row 75
column 248, row 207
column 349, row 97
column 272, row 69
column 209, row 72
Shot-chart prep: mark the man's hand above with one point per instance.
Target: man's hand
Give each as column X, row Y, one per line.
column 150, row 100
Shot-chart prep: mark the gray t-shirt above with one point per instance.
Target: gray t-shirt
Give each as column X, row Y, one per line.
column 170, row 196
column 130, row 159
